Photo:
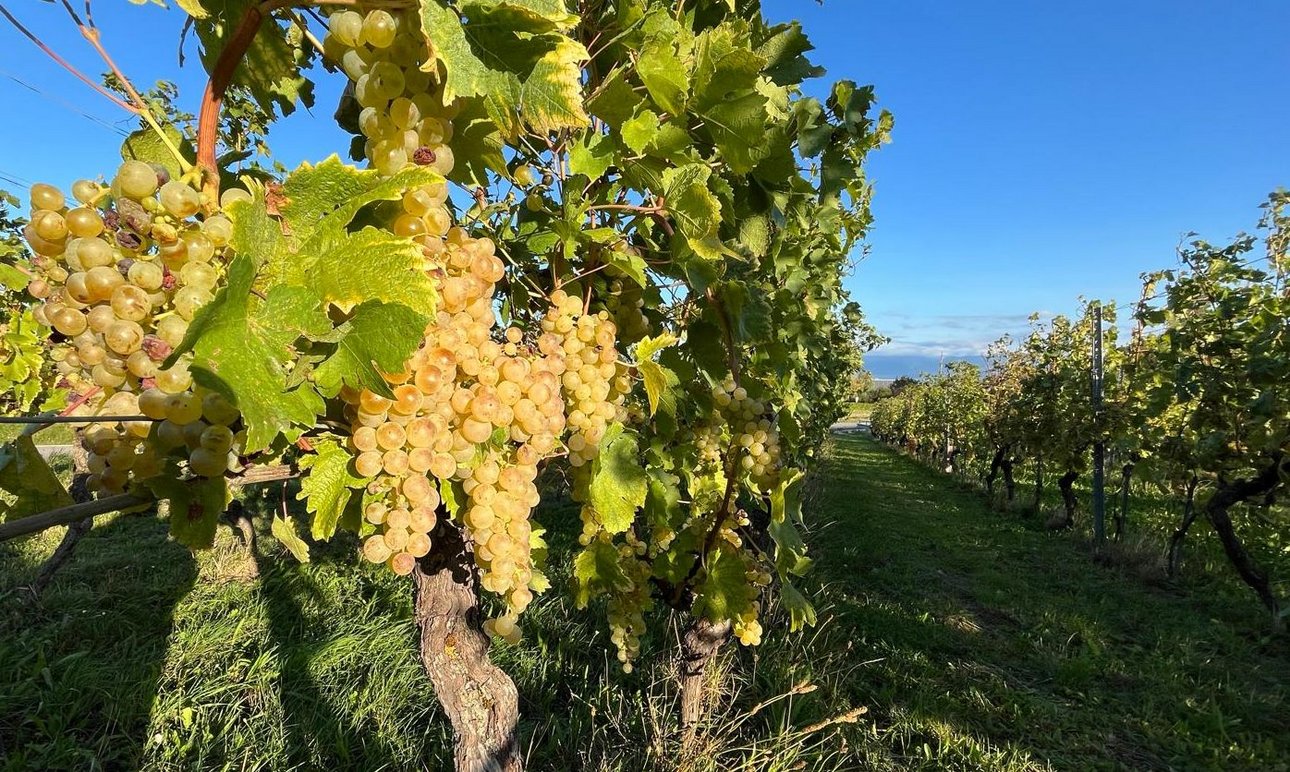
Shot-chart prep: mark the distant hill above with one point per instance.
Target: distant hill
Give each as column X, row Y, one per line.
column 889, row 366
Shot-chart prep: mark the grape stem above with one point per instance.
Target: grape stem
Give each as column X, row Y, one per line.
column 732, row 455
column 90, row 32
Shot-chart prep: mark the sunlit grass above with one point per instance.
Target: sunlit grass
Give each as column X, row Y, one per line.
column 972, row 639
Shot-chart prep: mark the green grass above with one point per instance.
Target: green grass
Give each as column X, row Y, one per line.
column 975, row 640
column 62, row 434
column 860, row 411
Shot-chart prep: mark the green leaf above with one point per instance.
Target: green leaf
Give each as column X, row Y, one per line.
column 284, row 530
column 327, row 486
column 662, row 502
column 591, row 156
column 665, row 76
column 477, row 146
column 640, row 131
column 359, row 266
column 783, row 51
column 618, row 482
column 725, row 589
column 724, row 65
column 242, row 346
column 616, row 101
column 379, row 337
column 146, row 145
column 738, row 129
column 25, row 474
column 786, row 498
column 630, row 264
column 513, row 54
column 660, row 382
column 322, row 199
column 695, row 209
column 195, row 506
column 800, row 611
column 595, row 571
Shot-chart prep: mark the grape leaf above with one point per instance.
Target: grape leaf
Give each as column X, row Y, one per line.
column 738, row 129
column 615, row 101
column 695, row 209
column 596, row 570
column 724, row 65
column 241, row 347
column 630, row 263
column 322, row 198
column 640, row 131
column 25, row 474
column 379, row 337
column 618, row 482
column 783, row 51
column 665, row 76
column 790, row 550
column 195, row 506
column 659, row 381
column 725, row 590
column 551, row 96
column 328, row 486
column 284, row 530
column 661, row 503
column 592, row 155
column 800, row 611
column 514, row 54
column 358, row 268
column 786, row 499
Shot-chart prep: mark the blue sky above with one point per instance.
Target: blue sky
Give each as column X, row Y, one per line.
column 1042, row 151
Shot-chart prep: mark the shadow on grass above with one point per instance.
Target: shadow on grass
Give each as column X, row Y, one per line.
column 994, row 641
column 79, row 670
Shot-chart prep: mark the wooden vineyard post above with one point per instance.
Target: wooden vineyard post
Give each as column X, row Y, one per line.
column 1099, row 445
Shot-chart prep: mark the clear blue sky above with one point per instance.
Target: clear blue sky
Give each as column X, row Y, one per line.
column 1042, row 151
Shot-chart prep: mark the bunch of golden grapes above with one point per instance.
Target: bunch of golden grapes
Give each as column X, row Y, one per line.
column 121, row 270
column 753, row 431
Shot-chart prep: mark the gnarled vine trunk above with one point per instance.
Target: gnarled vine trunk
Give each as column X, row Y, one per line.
column 1189, row 516
column 996, row 463
column 1039, row 484
column 1122, row 515
column 480, row 699
column 1067, row 486
column 699, row 646
column 1216, row 510
column 1009, row 481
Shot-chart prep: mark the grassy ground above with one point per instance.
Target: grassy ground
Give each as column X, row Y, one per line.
column 860, row 411
column 61, row 434
column 975, row 640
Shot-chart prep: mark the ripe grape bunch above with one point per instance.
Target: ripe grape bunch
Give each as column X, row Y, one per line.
column 122, row 269
column 476, row 407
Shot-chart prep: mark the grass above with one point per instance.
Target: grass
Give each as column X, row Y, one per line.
column 860, row 411
column 60, row 434
column 975, row 641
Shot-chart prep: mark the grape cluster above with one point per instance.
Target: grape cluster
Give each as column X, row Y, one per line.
column 594, row 382
column 403, row 119
column 121, row 270
column 481, row 407
column 477, row 406
column 753, row 432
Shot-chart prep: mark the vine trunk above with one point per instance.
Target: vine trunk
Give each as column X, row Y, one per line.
column 700, row 644
column 480, row 699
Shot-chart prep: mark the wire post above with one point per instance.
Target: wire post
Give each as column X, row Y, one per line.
column 1099, row 447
